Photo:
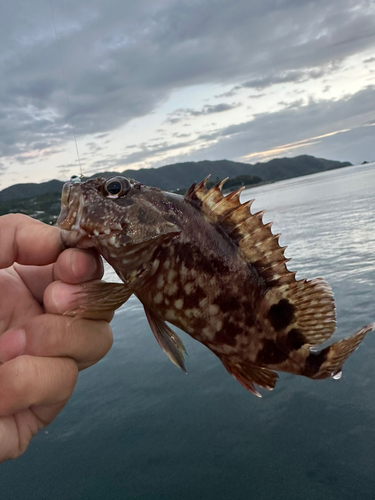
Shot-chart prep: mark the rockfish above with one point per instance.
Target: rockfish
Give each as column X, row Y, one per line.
column 204, row 263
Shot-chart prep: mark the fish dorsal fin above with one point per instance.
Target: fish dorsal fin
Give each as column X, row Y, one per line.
column 258, row 244
column 309, row 304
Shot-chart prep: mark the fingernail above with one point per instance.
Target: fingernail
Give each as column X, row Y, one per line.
column 83, row 264
column 12, row 344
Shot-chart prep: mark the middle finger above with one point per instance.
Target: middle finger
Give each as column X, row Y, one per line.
column 51, row 335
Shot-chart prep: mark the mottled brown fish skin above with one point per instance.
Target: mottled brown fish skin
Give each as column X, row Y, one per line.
column 206, row 265
column 205, row 287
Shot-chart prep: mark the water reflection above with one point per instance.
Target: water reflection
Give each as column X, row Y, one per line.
column 138, row 428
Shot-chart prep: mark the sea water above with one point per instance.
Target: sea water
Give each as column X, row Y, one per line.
column 138, row 428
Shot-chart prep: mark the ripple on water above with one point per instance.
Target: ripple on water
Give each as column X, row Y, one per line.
column 136, row 427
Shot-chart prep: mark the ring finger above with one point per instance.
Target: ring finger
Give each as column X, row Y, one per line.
column 52, row 335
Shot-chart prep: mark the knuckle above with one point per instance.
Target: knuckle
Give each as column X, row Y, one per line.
column 20, row 371
column 10, row 449
column 102, row 340
column 83, row 340
column 15, row 219
column 49, row 334
column 61, row 333
column 70, row 374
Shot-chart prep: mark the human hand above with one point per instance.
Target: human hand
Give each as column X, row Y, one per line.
column 41, row 351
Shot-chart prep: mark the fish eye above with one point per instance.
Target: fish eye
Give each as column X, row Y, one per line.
column 116, row 187
column 75, row 179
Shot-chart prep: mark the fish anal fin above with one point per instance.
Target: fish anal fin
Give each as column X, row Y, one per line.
column 248, row 374
column 168, row 340
column 98, row 297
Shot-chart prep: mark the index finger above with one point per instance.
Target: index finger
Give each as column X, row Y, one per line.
column 27, row 241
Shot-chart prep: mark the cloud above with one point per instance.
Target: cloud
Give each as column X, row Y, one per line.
column 230, row 93
column 295, row 76
column 181, row 135
column 257, row 96
column 102, row 136
column 268, row 135
column 338, row 129
column 270, row 131
column 146, row 153
column 208, row 109
column 122, row 58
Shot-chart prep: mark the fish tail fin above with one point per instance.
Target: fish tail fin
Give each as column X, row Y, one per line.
column 329, row 361
column 248, row 374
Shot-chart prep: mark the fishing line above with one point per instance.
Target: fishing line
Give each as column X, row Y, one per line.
column 65, row 85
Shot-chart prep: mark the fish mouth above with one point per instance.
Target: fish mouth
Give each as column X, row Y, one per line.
column 69, row 206
column 70, row 217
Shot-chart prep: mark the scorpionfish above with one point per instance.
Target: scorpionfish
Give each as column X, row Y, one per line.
column 204, row 263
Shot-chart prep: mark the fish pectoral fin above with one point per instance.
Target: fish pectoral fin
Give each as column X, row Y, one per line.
column 99, row 297
column 167, row 339
column 248, row 374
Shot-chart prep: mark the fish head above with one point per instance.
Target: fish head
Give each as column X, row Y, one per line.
column 118, row 216
column 93, row 211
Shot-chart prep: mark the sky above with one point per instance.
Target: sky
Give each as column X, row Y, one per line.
column 148, row 83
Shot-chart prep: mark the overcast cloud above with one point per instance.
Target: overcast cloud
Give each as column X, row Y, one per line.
column 224, row 79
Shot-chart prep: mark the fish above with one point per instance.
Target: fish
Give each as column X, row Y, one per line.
column 204, row 263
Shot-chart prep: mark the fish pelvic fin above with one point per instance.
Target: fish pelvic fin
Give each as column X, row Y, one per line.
column 329, row 361
column 168, row 340
column 96, row 298
column 248, row 374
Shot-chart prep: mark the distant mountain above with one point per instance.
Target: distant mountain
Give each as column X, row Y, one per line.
column 182, row 175
column 19, row 191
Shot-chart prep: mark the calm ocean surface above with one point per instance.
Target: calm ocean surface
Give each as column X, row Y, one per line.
column 138, row 428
